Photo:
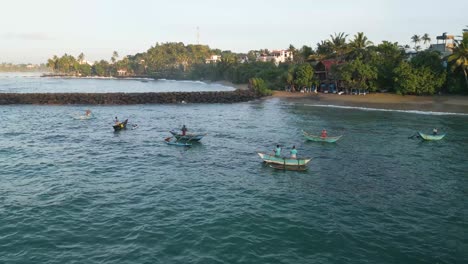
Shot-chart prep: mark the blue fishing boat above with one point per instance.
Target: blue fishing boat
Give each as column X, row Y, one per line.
column 187, row 136
column 172, row 142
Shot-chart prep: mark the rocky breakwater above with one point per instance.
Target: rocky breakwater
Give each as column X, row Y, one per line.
column 127, row 98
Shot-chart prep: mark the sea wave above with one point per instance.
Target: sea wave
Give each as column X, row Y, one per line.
column 420, row 112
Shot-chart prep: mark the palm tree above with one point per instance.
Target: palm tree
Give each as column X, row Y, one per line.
column 338, row 42
column 81, row 58
column 426, row 39
column 114, row 57
column 459, row 57
column 416, row 39
column 360, row 41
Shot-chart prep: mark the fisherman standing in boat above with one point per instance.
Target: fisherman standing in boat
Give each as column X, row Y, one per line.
column 434, row 131
column 293, row 152
column 184, row 130
column 277, row 151
column 116, row 121
column 324, row 133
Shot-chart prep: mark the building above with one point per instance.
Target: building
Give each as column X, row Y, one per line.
column 446, row 47
column 323, row 73
column 213, row 59
column 122, row 72
column 276, row 56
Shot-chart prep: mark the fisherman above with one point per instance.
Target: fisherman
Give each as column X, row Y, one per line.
column 434, row 131
column 293, row 152
column 184, row 130
column 116, row 121
column 324, row 133
column 88, row 112
column 277, row 151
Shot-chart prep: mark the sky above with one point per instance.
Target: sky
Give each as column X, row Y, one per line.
column 32, row 31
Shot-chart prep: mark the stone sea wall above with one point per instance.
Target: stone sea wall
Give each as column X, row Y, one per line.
column 127, row 98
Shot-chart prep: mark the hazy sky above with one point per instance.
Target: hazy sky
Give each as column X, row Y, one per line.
column 33, row 30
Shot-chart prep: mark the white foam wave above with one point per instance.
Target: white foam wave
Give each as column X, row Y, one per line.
column 389, row 110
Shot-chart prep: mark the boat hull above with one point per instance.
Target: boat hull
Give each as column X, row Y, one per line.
column 429, row 137
column 270, row 159
column 120, row 126
column 291, row 168
column 188, row 136
column 320, row 139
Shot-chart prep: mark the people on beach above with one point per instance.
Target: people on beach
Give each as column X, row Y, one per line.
column 434, row 131
column 293, row 152
column 324, row 133
column 184, row 130
column 277, row 151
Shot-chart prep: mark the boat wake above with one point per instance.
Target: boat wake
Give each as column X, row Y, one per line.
column 389, row 110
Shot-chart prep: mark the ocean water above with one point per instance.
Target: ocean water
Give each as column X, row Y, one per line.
column 34, row 83
column 74, row 191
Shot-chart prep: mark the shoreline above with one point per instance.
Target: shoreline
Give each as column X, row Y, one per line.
column 382, row 101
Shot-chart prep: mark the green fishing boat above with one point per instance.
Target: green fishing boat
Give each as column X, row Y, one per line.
column 429, row 137
column 319, row 138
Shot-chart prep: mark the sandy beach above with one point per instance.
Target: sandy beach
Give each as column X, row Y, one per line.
column 436, row 103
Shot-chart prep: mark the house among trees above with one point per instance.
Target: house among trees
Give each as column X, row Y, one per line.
column 121, row 72
column 276, row 56
column 324, row 75
column 213, row 59
column 446, row 47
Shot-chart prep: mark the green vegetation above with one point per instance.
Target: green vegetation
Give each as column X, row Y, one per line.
column 259, row 86
column 355, row 64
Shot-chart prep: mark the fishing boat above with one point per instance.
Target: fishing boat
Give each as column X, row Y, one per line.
column 287, row 167
column 284, row 163
column 319, row 138
column 172, row 142
column 187, row 136
column 120, row 126
column 431, row 137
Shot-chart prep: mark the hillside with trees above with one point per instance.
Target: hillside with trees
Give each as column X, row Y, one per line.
column 358, row 63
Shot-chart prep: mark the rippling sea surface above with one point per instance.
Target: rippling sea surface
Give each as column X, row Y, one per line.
column 34, row 83
column 74, row 191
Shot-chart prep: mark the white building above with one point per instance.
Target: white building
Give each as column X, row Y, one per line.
column 277, row 56
column 213, row 59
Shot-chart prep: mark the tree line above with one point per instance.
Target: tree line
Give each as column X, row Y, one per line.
column 358, row 63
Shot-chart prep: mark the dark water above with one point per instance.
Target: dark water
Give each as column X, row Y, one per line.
column 74, row 191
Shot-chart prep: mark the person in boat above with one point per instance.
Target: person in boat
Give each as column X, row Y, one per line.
column 434, row 131
column 116, row 121
column 168, row 139
column 277, row 151
column 88, row 112
column 293, row 152
column 324, row 133
column 184, row 130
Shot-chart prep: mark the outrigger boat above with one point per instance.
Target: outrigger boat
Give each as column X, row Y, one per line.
column 187, row 136
column 429, row 137
column 284, row 163
column 120, row 126
column 319, row 138
column 169, row 141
